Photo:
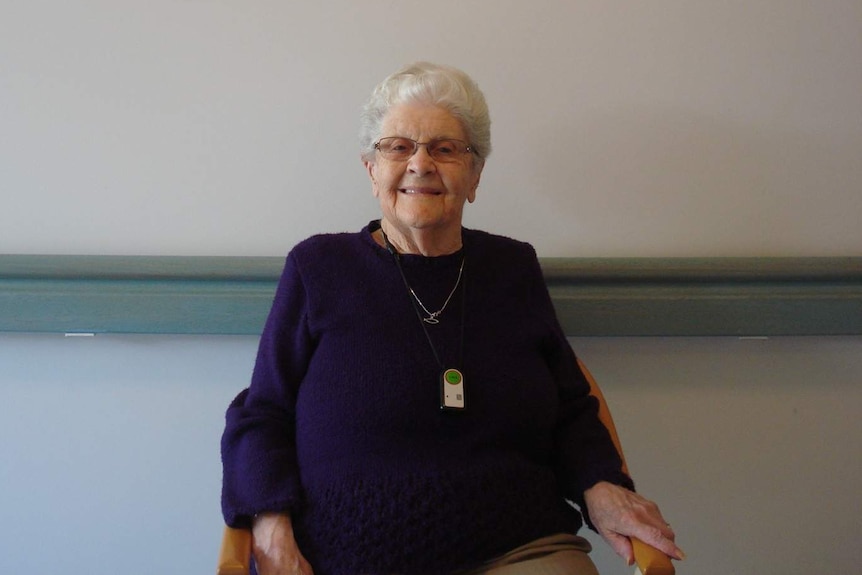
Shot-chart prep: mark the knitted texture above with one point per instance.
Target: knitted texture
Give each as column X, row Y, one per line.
column 341, row 425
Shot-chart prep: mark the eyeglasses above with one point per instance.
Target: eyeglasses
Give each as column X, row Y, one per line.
column 442, row 150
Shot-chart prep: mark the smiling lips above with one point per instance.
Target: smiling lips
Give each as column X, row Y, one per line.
column 420, row 191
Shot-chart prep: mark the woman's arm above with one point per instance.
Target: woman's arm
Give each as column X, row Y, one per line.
column 584, row 453
column 260, row 467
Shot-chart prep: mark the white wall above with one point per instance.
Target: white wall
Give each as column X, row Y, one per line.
column 621, row 128
column 109, row 452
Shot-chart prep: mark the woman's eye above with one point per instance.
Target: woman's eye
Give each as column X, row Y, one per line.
column 401, row 146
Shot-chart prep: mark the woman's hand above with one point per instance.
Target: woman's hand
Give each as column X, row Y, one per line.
column 274, row 546
column 618, row 514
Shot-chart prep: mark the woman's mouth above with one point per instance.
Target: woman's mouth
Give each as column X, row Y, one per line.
column 420, row 191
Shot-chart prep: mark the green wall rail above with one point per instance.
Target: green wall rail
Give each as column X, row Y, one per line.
column 593, row 296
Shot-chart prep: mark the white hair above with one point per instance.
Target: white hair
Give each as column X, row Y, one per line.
column 432, row 84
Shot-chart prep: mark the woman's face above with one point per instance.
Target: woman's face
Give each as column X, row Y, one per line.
column 419, row 192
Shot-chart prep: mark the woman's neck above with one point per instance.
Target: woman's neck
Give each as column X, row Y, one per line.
column 428, row 242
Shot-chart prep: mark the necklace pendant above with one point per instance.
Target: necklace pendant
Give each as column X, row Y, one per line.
column 431, row 319
column 452, row 397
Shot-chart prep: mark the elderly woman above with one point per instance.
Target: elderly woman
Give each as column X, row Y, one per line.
column 415, row 407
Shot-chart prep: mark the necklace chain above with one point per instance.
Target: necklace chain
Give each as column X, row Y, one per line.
column 431, row 316
column 451, row 380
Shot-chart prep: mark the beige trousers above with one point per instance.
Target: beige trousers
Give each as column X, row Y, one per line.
column 561, row 554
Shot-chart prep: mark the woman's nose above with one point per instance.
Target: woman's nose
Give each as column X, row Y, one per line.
column 421, row 162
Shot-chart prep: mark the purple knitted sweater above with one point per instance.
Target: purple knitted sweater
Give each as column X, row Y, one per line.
column 341, row 425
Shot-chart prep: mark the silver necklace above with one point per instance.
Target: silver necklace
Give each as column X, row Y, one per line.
column 452, row 390
column 431, row 316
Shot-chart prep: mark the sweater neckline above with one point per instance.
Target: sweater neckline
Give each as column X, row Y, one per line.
column 410, row 260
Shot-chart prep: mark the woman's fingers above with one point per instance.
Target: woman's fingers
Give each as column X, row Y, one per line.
column 617, row 512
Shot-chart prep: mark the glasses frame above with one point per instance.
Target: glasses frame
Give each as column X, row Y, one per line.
column 468, row 149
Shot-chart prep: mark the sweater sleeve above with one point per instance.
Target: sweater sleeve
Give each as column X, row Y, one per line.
column 258, row 445
column 584, row 453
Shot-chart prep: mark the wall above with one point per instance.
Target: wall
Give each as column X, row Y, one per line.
column 751, row 446
column 666, row 128
column 109, row 459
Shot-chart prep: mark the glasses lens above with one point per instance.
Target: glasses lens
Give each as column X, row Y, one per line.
column 446, row 150
column 396, row 148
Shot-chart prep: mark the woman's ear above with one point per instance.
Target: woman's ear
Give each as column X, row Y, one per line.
column 471, row 195
column 370, row 167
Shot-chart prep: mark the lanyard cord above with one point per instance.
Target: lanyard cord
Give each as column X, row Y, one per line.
column 413, row 299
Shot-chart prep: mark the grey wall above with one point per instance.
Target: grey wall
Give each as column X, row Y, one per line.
column 750, row 446
column 109, row 458
column 664, row 128
column 109, row 453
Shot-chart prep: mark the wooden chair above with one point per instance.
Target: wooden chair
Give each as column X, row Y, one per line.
column 235, row 554
column 649, row 560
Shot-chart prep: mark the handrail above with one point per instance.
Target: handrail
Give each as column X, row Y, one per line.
column 593, row 296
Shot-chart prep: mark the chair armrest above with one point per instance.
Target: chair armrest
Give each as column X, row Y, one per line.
column 651, row 561
column 235, row 555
